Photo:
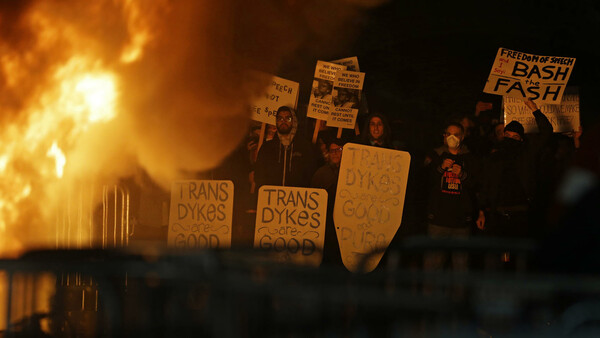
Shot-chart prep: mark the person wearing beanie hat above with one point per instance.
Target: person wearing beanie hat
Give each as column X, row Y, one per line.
column 514, row 130
column 509, row 181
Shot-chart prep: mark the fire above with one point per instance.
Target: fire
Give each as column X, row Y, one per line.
column 77, row 92
column 99, row 96
column 60, row 158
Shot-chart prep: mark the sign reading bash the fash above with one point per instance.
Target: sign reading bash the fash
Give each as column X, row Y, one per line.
column 369, row 203
column 280, row 92
column 322, row 90
column 200, row 214
column 522, row 75
column 564, row 116
column 346, row 99
column 290, row 222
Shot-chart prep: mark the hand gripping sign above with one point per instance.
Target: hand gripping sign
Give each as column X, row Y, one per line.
column 564, row 116
column 369, row 203
column 200, row 215
column 290, row 222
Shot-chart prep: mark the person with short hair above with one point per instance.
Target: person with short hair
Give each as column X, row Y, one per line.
column 326, row 178
column 452, row 205
column 286, row 160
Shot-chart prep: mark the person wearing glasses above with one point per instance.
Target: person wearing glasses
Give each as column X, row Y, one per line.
column 285, row 160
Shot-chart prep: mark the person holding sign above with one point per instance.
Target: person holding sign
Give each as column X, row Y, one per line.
column 327, row 178
column 285, row 160
column 452, row 207
column 508, row 182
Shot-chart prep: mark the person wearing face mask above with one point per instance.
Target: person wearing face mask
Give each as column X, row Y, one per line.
column 509, row 179
column 452, row 205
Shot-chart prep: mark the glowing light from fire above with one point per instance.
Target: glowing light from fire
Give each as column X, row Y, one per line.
column 3, row 163
column 59, row 158
column 99, row 96
column 81, row 93
column 139, row 25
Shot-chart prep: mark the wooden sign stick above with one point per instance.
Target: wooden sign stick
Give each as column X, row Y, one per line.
column 316, row 132
column 339, row 134
column 261, row 137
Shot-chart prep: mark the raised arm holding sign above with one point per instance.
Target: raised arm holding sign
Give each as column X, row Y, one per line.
column 564, row 116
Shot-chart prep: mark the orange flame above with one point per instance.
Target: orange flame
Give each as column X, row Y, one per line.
column 77, row 93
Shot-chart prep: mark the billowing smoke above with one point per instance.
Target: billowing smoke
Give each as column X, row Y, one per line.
column 92, row 91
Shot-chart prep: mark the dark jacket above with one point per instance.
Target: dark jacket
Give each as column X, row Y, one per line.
column 510, row 173
column 452, row 198
column 292, row 165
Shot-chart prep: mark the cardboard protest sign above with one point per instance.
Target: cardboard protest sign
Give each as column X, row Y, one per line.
column 346, row 99
column 290, row 222
column 322, row 88
column 369, row 203
column 351, row 63
column 564, row 116
column 280, row 92
column 522, row 75
column 200, row 214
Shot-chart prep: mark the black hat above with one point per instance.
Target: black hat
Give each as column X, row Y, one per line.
column 516, row 127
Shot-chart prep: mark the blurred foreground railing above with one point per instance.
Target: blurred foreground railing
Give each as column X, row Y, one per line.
column 242, row 293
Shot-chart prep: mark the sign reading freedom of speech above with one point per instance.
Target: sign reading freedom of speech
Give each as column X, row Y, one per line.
column 200, row 214
column 347, row 85
column 564, row 117
column 290, row 222
column 322, row 90
column 280, row 92
column 522, row 75
column 369, row 203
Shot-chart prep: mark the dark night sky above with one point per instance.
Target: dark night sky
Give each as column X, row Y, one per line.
column 426, row 61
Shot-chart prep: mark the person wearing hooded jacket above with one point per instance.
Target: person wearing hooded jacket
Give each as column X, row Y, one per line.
column 452, row 207
column 509, row 177
column 286, row 160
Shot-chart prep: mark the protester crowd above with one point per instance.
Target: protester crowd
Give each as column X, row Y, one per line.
column 484, row 179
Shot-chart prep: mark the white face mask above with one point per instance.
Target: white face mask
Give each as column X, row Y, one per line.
column 453, row 141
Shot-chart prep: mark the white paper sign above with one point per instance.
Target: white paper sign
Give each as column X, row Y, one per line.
column 280, row 92
column 322, row 90
column 200, row 214
column 369, row 203
column 290, row 223
column 522, row 75
column 347, row 89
